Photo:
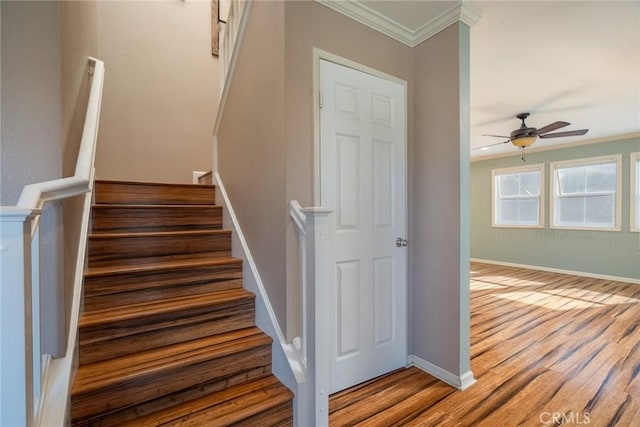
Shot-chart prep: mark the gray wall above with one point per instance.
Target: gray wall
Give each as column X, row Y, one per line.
column 306, row 28
column 253, row 159
column 609, row 253
column 251, row 146
column 439, row 254
column 31, row 136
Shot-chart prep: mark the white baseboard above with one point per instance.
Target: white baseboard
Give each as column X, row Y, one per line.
column 467, row 379
column 460, row 382
column 559, row 270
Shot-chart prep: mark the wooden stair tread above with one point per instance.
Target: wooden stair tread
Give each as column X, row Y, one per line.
column 108, row 373
column 238, row 410
column 155, row 266
column 156, row 307
column 238, row 401
column 158, row 234
column 168, row 334
column 160, row 184
column 151, row 206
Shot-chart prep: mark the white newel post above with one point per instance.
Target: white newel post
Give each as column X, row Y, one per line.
column 16, row 328
column 317, row 328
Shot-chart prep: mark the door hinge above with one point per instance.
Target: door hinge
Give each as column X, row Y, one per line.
column 321, row 100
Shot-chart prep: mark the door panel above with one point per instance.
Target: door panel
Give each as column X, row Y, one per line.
column 363, row 179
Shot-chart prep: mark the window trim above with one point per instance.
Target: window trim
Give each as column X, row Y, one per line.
column 512, row 170
column 617, row 158
column 633, row 159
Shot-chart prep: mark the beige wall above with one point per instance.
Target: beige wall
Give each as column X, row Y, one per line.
column 251, row 146
column 78, row 41
column 161, row 90
column 440, row 232
column 309, row 25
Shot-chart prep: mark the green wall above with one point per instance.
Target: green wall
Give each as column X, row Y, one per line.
column 612, row 253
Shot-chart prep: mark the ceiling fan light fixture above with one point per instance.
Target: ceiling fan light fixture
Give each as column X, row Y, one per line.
column 524, row 141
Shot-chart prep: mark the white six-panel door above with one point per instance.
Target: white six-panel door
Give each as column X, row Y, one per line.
column 363, row 179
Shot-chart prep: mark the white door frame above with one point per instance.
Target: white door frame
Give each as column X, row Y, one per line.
column 318, row 55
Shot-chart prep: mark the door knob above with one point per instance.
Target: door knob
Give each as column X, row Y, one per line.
column 400, row 242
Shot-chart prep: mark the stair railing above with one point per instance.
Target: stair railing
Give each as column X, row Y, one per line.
column 228, row 36
column 313, row 345
column 35, row 388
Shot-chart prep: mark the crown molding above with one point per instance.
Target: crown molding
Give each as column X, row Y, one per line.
column 358, row 11
column 461, row 11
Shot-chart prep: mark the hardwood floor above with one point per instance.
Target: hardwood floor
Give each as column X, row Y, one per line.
column 546, row 349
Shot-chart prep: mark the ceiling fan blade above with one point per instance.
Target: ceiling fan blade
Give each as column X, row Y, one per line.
column 491, row 145
column 497, row 136
column 552, row 127
column 567, row 133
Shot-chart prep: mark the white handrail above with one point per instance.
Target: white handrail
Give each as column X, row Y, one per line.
column 229, row 34
column 295, row 211
column 300, row 220
column 33, row 196
column 34, row 387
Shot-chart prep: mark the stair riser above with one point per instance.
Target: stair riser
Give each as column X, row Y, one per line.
column 119, row 219
column 132, row 413
column 117, row 290
column 134, row 250
column 140, row 390
column 152, row 194
column 123, row 338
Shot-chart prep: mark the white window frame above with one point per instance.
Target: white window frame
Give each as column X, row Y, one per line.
column 514, row 170
column 634, row 226
column 617, row 158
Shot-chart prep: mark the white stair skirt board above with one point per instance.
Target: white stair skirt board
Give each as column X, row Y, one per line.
column 460, row 382
column 559, row 270
column 265, row 316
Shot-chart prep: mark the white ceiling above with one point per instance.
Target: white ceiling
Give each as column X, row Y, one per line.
column 574, row 61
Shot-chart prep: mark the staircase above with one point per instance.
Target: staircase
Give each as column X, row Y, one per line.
column 168, row 336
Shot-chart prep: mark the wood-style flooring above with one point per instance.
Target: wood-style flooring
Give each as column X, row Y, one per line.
column 546, row 349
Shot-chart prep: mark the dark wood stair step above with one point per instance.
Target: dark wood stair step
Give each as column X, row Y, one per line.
column 153, row 193
column 118, row 383
column 109, row 249
column 138, row 312
column 114, row 286
column 236, row 404
column 112, row 218
column 109, row 333
column 120, row 416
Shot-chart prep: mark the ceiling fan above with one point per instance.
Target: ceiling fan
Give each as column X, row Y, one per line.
column 524, row 136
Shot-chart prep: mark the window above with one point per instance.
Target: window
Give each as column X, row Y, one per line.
column 518, row 196
column 635, row 191
column 586, row 193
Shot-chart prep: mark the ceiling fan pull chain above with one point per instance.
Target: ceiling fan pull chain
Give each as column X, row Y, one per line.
column 523, row 153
